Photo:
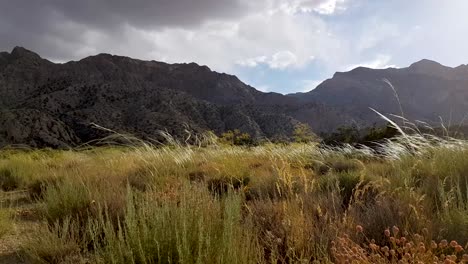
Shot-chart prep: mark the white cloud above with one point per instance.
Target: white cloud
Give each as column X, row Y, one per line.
column 252, row 62
column 329, row 7
column 382, row 61
column 230, row 35
column 377, row 32
column 282, row 60
column 278, row 40
column 279, row 60
column 322, row 7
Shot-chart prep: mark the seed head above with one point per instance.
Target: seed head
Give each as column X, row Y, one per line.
column 458, row 248
column 402, row 240
column 465, row 257
column 443, row 243
column 359, row 229
column 387, row 232
column 453, row 243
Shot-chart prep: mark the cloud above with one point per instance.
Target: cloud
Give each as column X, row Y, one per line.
column 219, row 33
column 329, row 7
column 280, row 60
column 238, row 35
column 380, row 62
column 253, row 62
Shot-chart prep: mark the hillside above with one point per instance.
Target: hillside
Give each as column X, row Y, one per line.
column 426, row 91
column 49, row 104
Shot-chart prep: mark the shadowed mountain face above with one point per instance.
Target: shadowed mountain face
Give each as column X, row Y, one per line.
column 426, row 91
column 48, row 104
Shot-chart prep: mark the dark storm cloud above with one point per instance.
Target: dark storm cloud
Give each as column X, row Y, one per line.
column 57, row 28
column 146, row 13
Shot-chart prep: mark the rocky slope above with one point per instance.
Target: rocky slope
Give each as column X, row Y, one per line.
column 426, row 91
column 48, row 104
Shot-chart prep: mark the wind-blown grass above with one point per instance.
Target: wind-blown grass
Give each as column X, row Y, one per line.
column 208, row 203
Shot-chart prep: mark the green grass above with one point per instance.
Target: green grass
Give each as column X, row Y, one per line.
column 6, row 222
column 293, row 203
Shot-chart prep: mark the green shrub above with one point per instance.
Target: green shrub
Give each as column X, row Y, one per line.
column 9, row 181
column 192, row 230
column 221, row 186
column 55, row 244
column 38, row 187
column 236, row 138
column 67, row 200
column 304, row 134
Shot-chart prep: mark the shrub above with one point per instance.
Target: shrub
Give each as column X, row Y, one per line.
column 398, row 248
column 345, row 165
column 236, row 138
column 141, row 178
column 193, row 230
column 221, row 186
column 319, row 167
column 9, row 181
column 303, row 134
column 345, row 134
column 67, row 200
column 38, row 187
column 55, row 244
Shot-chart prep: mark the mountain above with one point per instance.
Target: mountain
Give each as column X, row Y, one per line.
column 425, row 91
column 55, row 105
column 48, row 104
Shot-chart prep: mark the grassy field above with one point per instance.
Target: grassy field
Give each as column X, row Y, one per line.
column 403, row 203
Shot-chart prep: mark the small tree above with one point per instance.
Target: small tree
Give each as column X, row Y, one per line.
column 237, row 138
column 344, row 134
column 303, row 134
column 380, row 133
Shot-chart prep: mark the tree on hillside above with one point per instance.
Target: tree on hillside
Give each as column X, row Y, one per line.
column 237, row 138
column 303, row 134
column 344, row 134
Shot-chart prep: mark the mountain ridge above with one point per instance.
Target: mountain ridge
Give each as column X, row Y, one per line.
column 43, row 103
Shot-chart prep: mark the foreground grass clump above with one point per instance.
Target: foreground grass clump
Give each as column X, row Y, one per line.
column 5, row 222
column 296, row 203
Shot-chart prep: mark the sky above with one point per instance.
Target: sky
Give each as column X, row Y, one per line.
column 283, row 46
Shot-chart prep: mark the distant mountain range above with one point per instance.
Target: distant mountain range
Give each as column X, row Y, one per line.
column 48, row 104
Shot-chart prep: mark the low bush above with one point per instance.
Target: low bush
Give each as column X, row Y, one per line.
column 9, row 181
column 397, row 248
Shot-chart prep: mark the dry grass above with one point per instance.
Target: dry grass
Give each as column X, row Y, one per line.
column 6, row 222
column 228, row 204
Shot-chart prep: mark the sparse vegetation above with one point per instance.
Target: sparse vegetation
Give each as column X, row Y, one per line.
column 236, row 138
column 6, row 223
column 304, row 134
column 286, row 203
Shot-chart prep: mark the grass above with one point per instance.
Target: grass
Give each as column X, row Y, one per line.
column 297, row 203
column 6, row 222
